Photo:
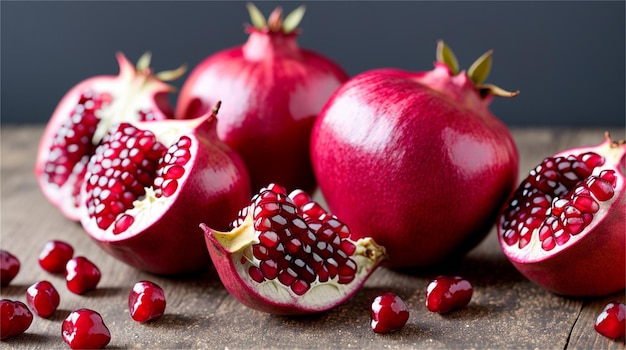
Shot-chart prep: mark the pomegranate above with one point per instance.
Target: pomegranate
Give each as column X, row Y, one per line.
column 416, row 160
column 149, row 185
column 81, row 275
column 85, row 329
column 43, row 298
column 446, row 293
column 272, row 92
column 146, row 301
column 564, row 226
column 389, row 313
column 9, row 267
column 15, row 318
column 84, row 115
column 286, row 255
column 611, row 322
column 55, row 255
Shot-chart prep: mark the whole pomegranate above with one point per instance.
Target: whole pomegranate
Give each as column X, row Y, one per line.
column 149, row 185
column 564, row 228
column 416, row 160
column 85, row 114
column 286, row 255
column 272, row 92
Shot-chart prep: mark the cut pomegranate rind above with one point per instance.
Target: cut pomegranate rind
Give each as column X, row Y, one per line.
column 562, row 197
column 83, row 117
column 279, row 259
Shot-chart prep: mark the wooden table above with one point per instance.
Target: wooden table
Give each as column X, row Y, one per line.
column 506, row 311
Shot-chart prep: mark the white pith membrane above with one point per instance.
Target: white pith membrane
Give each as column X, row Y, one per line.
column 532, row 251
column 239, row 243
column 149, row 207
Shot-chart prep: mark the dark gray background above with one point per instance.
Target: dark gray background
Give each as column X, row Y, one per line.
column 566, row 57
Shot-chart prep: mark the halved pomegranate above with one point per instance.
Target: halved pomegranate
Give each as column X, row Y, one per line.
column 84, row 115
column 149, row 185
column 287, row 255
column 564, row 228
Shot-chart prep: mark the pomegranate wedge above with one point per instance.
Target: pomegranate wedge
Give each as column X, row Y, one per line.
column 286, row 255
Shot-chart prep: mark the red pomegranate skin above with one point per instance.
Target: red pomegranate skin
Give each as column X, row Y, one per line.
column 272, row 91
column 415, row 160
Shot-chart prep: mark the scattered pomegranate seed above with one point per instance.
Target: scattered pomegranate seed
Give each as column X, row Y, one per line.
column 81, row 275
column 43, row 298
column 389, row 313
column 611, row 322
column 15, row 318
column 9, row 267
column 85, row 329
column 146, row 301
column 55, row 255
column 445, row 294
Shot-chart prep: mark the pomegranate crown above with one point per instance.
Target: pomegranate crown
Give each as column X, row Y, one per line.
column 275, row 22
column 143, row 67
column 477, row 72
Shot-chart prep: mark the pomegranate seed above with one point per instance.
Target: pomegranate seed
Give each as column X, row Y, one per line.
column 9, row 267
column 611, row 322
column 146, row 301
column 445, row 294
column 85, row 329
column 81, row 275
column 389, row 313
column 43, row 298
column 55, row 255
column 15, row 318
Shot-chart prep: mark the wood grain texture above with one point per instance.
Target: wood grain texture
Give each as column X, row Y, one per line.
column 506, row 311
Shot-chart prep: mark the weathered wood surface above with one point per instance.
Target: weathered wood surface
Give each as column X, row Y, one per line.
column 506, row 310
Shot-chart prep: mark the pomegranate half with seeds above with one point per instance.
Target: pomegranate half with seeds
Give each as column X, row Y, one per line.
column 564, row 227
column 149, row 185
column 287, row 255
column 84, row 115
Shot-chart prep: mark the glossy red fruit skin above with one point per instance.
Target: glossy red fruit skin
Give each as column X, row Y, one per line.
column 81, row 275
column 9, row 267
column 43, row 298
column 214, row 190
column 15, row 318
column 389, row 313
column 146, row 301
column 85, row 329
column 611, row 322
column 423, row 172
column 151, row 94
column 55, row 256
column 445, row 294
column 272, row 91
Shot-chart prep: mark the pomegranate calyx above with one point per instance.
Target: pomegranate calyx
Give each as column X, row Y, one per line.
column 477, row 72
column 143, row 68
column 275, row 22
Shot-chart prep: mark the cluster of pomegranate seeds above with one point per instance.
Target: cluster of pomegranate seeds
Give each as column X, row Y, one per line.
column 81, row 275
column 15, row 318
column 55, row 255
column 295, row 248
column 85, row 329
column 73, row 143
column 43, row 298
column 171, row 167
column 9, row 267
column 445, row 294
column 122, row 167
column 389, row 313
column 611, row 322
column 560, row 198
column 146, row 301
